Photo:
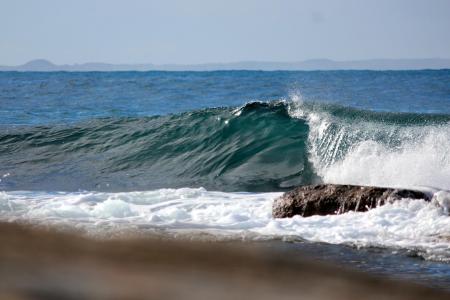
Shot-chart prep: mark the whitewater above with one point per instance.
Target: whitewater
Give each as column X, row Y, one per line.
column 191, row 213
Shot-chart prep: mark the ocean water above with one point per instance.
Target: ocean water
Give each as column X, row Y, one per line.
column 204, row 154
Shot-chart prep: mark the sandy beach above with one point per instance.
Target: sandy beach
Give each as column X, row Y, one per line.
column 44, row 264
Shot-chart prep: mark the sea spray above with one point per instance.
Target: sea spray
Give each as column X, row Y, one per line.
column 350, row 146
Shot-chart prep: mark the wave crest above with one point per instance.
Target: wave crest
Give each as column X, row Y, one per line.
column 258, row 147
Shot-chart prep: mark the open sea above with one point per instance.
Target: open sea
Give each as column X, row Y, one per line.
column 204, row 154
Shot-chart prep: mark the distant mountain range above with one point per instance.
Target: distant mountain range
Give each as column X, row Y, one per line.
column 307, row 65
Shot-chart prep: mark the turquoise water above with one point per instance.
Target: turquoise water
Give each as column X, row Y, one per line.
column 124, row 131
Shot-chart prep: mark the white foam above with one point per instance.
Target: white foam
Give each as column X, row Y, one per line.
column 442, row 199
column 422, row 162
column 365, row 152
column 408, row 224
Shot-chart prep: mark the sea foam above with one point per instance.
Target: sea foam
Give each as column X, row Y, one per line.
column 416, row 225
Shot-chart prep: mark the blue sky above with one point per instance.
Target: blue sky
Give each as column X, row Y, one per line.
column 201, row 31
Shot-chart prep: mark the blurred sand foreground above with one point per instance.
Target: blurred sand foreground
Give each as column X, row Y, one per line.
column 41, row 264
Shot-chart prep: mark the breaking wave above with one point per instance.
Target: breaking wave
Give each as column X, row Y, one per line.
column 113, row 175
column 258, row 147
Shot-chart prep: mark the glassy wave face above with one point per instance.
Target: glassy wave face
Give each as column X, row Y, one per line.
column 257, row 147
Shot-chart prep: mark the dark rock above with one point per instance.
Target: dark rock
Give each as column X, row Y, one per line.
column 328, row 199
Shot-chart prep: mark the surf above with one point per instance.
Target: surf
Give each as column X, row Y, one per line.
column 258, row 147
column 420, row 227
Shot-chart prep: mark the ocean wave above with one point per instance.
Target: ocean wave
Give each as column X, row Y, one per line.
column 259, row 147
column 350, row 146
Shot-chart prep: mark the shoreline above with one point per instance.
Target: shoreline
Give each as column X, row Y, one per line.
column 38, row 263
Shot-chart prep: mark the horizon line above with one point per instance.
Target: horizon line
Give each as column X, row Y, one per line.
column 310, row 64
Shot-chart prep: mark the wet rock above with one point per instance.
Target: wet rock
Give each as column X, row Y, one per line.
column 328, row 199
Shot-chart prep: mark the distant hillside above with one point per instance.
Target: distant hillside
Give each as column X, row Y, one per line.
column 308, row 65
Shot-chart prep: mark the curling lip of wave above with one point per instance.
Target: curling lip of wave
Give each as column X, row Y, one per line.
column 258, row 147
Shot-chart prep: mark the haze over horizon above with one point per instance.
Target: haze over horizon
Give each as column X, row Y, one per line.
column 201, row 32
column 42, row 65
